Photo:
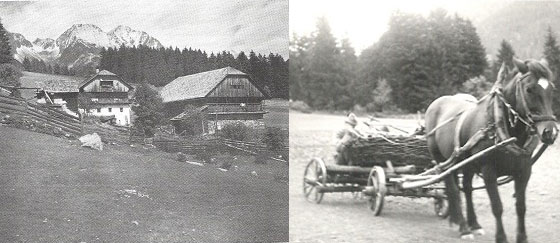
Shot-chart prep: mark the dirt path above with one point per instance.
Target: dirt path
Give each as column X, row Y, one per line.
column 53, row 190
column 340, row 218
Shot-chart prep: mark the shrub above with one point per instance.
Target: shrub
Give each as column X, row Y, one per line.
column 235, row 131
column 226, row 164
column 300, row 106
column 274, row 138
column 181, row 157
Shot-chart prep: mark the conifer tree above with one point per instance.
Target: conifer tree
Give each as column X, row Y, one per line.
column 5, row 49
column 552, row 56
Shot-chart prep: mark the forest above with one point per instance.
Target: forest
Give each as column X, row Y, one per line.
column 415, row 61
column 161, row 66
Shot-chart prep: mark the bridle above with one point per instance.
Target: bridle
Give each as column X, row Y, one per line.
column 529, row 119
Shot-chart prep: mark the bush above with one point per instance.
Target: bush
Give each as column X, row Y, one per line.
column 274, row 138
column 226, row 164
column 300, row 106
column 236, row 131
column 181, row 157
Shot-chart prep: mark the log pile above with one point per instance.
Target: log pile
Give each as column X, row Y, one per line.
column 400, row 150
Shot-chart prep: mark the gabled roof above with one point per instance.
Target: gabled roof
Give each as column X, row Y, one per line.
column 196, row 85
column 104, row 73
column 58, row 86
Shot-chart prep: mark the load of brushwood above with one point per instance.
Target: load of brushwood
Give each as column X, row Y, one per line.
column 400, row 150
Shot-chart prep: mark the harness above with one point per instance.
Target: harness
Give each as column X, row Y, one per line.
column 497, row 127
column 529, row 120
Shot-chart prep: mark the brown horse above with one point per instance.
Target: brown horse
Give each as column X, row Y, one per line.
column 519, row 106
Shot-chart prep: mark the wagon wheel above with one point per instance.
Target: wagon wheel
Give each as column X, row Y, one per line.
column 441, row 208
column 377, row 189
column 315, row 175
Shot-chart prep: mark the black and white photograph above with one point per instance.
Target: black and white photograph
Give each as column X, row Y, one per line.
column 144, row 121
column 424, row 121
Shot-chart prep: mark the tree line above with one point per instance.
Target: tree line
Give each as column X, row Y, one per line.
column 39, row 66
column 415, row 61
column 10, row 72
column 161, row 66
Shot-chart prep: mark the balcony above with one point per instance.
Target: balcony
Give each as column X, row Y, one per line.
column 235, row 108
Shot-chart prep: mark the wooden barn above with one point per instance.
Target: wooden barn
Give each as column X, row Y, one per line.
column 106, row 95
column 224, row 96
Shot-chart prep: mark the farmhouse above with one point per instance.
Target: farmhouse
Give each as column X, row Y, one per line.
column 223, row 96
column 106, row 95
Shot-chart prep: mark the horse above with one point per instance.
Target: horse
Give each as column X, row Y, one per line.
column 519, row 105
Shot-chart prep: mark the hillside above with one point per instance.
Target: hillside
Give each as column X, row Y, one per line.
column 523, row 24
column 53, row 190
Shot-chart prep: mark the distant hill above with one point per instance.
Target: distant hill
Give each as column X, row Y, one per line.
column 523, row 24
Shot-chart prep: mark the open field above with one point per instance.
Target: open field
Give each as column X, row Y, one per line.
column 340, row 218
column 53, row 190
column 278, row 114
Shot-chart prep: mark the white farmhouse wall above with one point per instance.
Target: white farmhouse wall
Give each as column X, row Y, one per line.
column 122, row 118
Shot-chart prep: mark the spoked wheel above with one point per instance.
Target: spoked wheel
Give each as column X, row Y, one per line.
column 376, row 189
column 315, row 175
column 441, row 208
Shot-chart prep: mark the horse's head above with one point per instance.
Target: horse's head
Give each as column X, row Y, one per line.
column 529, row 90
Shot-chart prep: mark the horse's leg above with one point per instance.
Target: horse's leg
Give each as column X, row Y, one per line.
column 490, row 181
column 471, row 215
column 454, row 201
column 521, row 181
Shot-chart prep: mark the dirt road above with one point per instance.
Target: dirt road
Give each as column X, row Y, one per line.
column 340, row 218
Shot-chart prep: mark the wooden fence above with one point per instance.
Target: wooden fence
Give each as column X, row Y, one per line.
column 48, row 116
column 207, row 146
column 189, row 147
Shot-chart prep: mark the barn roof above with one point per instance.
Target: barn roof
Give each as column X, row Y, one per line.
column 102, row 72
column 58, row 85
column 196, row 85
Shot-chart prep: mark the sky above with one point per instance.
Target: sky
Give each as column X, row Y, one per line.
column 211, row 25
column 363, row 22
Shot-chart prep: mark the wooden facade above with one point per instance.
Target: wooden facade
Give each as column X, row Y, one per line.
column 226, row 95
column 107, row 96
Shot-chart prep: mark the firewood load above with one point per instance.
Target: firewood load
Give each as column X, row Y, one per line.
column 400, row 150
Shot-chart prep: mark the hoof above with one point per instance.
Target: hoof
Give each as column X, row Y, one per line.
column 467, row 237
column 479, row 231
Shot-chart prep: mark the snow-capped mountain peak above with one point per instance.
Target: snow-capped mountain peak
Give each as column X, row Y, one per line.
column 87, row 33
column 45, row 44
column 129, row 37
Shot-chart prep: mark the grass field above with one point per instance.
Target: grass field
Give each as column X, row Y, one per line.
column 53, row 190
column 278, row 113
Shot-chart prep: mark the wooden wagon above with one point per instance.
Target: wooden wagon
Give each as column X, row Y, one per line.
column 387, row 165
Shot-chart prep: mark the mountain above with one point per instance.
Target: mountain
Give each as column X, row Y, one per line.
column 79, row 46
column 46, row 48
column 129, row 37
column 21, row 47
column 523, row 24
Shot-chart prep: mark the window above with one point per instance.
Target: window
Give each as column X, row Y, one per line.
column 110, row 109
column 237, row 86
column 106, row 84
column 98, row 109
column 122, row 109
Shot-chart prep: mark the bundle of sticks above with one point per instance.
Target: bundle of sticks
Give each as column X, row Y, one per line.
column 400, row 150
